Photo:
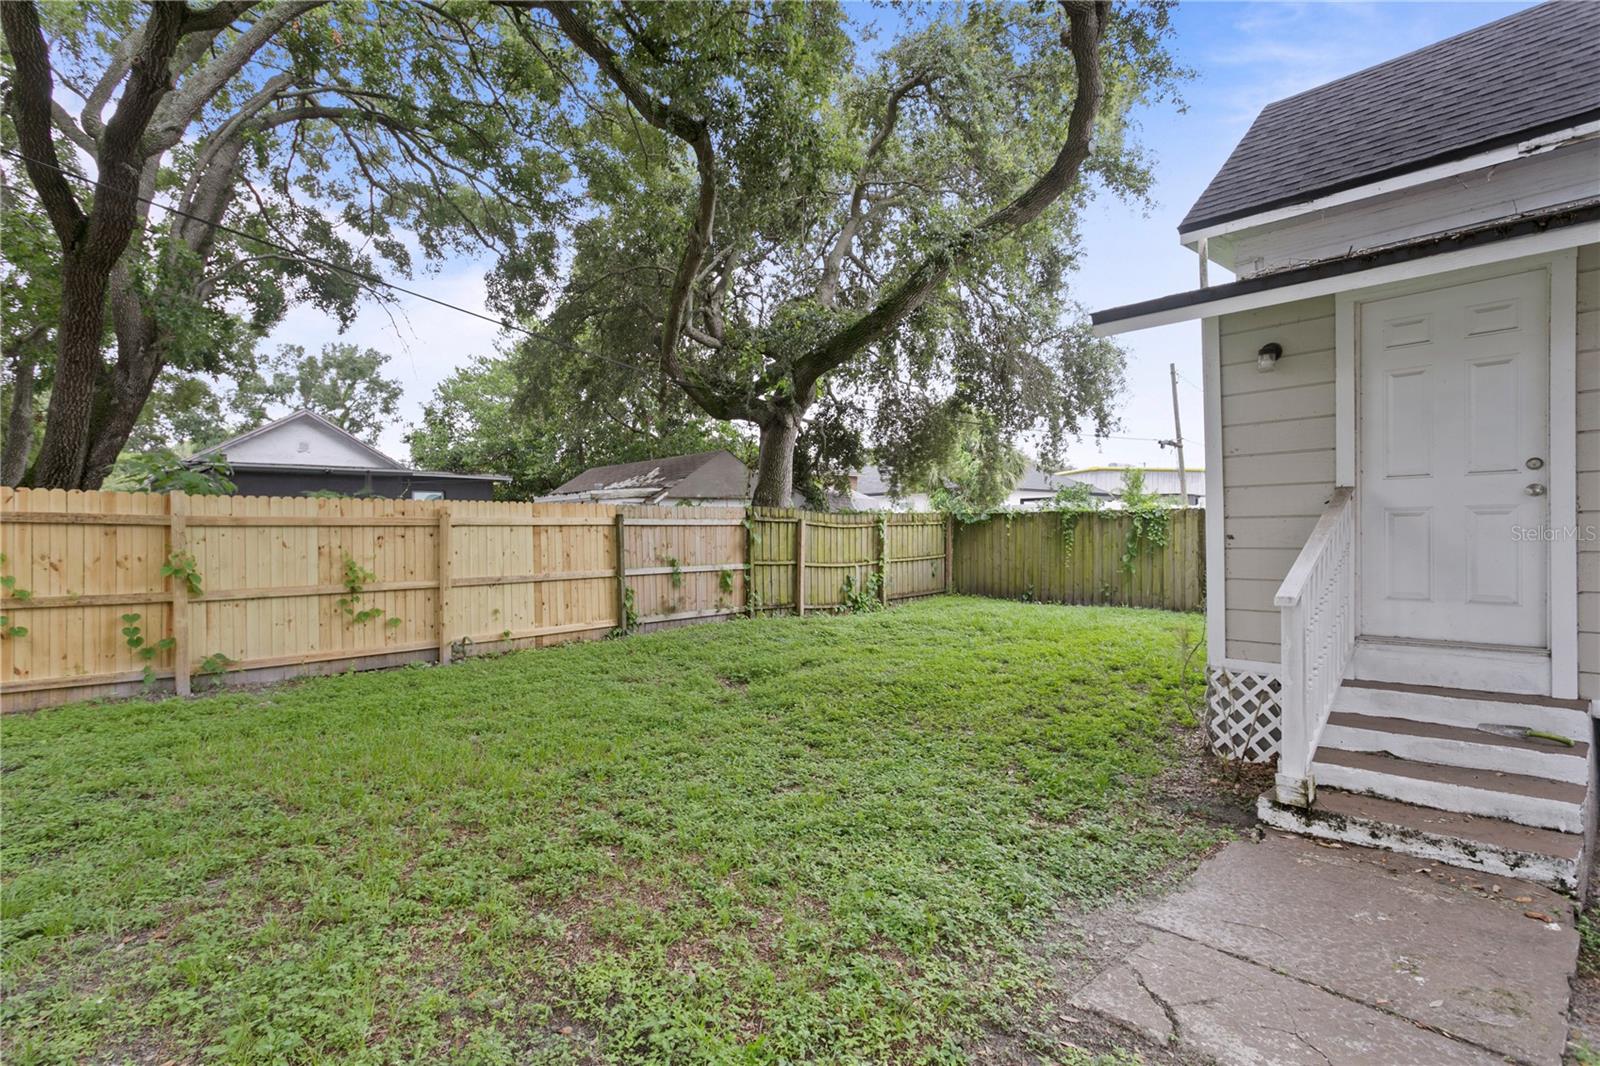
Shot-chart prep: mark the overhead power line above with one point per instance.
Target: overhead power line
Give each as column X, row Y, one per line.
column 369, row 279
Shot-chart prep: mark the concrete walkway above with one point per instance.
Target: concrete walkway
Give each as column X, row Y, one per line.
column 1286, row 952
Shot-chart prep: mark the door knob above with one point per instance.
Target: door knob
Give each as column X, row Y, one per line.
column 1536, row 489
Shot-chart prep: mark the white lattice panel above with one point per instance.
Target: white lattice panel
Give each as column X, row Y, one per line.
column 1243, row 714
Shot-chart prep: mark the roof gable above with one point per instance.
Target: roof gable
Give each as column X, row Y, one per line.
column 303, row 438
column 1531, row 73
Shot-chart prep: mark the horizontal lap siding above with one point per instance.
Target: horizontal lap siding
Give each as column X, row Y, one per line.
column 1589, row 469
column 1277, row 458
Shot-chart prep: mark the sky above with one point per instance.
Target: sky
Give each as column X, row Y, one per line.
column 1244, row 54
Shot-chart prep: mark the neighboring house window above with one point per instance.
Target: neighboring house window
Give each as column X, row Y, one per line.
column 426, row 494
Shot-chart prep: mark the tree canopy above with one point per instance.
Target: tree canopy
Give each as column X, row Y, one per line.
column 305, row 146
column 781, row 217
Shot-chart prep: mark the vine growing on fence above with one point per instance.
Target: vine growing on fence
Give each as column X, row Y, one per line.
column 180, row 567
column 861, row 597
column 355, row 580
column 146, row 650
column 8, row 582
column 1150, row 524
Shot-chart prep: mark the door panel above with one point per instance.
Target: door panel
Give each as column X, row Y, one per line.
column 1454, row 397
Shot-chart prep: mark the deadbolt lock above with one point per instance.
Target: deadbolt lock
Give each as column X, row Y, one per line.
column 1536, row 463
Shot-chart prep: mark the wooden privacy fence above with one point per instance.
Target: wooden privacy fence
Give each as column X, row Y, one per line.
column 1037, row 557
column 290, row 586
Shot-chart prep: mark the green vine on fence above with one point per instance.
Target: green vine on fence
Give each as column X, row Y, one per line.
column 146, row 650
column 355, row 580
column 1150, row 525
column 861, row 597
column 8, row 582
column 180, row 567
column 215, row 665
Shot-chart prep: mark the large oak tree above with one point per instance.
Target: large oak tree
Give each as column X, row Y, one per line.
column 800, row 232
column 352, row 136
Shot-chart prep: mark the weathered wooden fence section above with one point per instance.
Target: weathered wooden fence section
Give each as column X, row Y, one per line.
column 887, row 556
column 291, row 586
column 1056, row 558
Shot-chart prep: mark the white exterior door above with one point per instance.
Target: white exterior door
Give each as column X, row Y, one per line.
column 1454, row 449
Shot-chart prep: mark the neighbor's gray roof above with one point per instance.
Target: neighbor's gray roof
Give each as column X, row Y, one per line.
column 727, row 477
column 1533, row 72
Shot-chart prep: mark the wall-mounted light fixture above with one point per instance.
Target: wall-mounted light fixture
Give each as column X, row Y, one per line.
column 1267, row 357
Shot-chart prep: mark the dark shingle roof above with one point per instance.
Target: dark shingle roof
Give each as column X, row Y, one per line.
column 1530, row 73
column 727, row 478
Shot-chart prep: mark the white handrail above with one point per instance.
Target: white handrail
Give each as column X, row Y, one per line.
column 1317, row 607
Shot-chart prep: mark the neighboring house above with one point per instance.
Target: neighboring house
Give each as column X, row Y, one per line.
column 869, row 491
column 305, row 452
column 1403, row 445
column 1105, row 482
column 714, row 478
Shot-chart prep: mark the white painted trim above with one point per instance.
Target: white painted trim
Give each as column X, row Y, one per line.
column 1346, row 324
column 1249, row 666
column 1481, row 161
column 1563, row 566
column 1216, row 543
column 1534, row 244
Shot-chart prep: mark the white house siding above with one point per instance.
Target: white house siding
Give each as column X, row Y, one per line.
column 1278, row 458
column 1589, row 469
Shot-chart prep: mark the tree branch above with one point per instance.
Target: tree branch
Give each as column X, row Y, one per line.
column 690, row 129
column 1086, row 26
column 30, row 104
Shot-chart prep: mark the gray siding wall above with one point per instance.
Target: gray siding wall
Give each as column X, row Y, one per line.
column 1589, row 470
column 1277, row 458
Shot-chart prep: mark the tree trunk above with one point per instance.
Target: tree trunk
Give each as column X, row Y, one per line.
column 66, row 427
column 19, row 420
column 780, row 432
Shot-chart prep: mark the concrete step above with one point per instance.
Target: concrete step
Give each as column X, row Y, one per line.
column 1463, row 707
column 1488, row 845
column 1520, row 798
column 1457, row 745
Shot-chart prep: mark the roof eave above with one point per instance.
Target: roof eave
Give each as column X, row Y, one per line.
column 1536, row 234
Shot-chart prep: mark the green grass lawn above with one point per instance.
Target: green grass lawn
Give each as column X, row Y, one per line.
column 830, row 839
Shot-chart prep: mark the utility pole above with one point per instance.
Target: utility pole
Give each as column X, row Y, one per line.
column 1177, row 434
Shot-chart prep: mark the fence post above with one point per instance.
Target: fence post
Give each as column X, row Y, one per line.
column 178, row 542
column 619, row 536
column 800, row 565
column 883, row 559
column 442, row 539
column 949, row 553
column 749, row 561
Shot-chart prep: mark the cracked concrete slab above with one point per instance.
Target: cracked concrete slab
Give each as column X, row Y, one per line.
column 1371, row 928
column 1243, row 1014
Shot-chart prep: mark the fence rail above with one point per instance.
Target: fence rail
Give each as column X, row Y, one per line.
column 293, row 586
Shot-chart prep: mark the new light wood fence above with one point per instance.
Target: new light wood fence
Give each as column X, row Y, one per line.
column 1036, row 557
column 436, row 580
column 450, row 578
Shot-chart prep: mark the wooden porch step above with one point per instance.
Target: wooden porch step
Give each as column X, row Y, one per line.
column 1520, row 798
column 1463, row 707
column 1458, row 745
column 1487, row 845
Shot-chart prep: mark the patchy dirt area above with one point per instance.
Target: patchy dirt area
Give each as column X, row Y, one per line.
column 1085, row 941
